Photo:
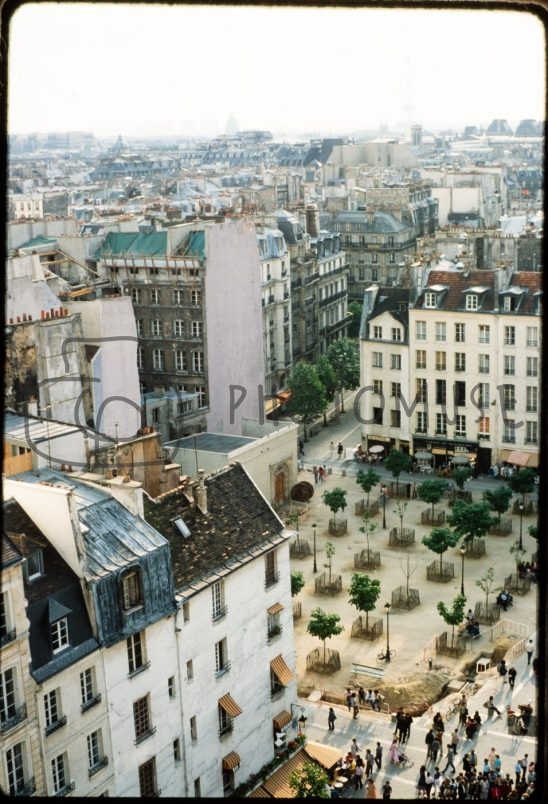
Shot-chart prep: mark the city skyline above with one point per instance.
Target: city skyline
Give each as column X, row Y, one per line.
column 186, row 70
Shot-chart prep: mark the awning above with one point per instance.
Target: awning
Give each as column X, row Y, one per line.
column 281, row 720
column 283, row 396
column 271, row 405
column 275, row 609
column 517, row 457
column 324, row 755
column 231, row 761
column 230, row 706
column 282, row 671
column 439, row 451
column 533, row 460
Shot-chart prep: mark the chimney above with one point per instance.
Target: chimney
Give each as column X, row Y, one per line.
column 201, row 492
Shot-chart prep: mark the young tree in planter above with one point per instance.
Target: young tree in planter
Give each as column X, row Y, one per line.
column 367, row 480
column 310, row 781
column 408, row 572
column 363, row 593
column 344, row 356
column 461, row 475
column 485, row 583
column 335, row 500
column 431, row 491
column 307, row 394
column 328, row 378
column 518, row 553
column 498, row 500
column 397, row 462
column 329, row 552
column 453, row 616
column 297, row 582
column 522, row 482
column 368, row 527
column 400, row 509
column 470, row 520
column 439, row 540
column 324, row 626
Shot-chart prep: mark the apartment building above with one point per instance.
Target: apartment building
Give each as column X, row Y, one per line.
column 474, row 367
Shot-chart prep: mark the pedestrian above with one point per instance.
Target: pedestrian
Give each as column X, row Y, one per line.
column 491, row 758
column 502, row 670
column 315, row 473
column 354, row 748
column 437, row 781
column 361, row 695
column 518, row 770
column 438, row 722
column 524, row 764
column 530, row 649
column 428, row 781
column 301, row 448
column 421, row 781
column 386, row 790
column 463, row 711
column 435, row 746
column 407, row 721
column 348, row 696
column 428, row 740
column 370, row 790
column 498, row 764
column 378, row 698
column 477, row 718
column 526, row 715
column 340, row 449
column 455, row 740
column 321, row 474
column 378, row 756
column 394, row 752
column 331, row 718
column 400, row 723
column 491, row 707
column 511, row 676
column 369, row 761
column 358, row 773
column 473, row 760
column 354, row 708
column 466, row 766
column 450, row 758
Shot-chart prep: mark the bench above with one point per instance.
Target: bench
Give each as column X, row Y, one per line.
column 365, row 670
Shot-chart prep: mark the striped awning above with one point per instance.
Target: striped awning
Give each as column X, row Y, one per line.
column 282, row 671
column 517, row 457
column 281, row 720
column 231, row 761
column 325, row 755
column 230, row 706
column 275, row 609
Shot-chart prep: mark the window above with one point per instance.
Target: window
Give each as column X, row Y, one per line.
column 532, row 336
column 8, row 704
column 459, row 393
column 422, row 421
column 218, row 600
column 484, row 427
column 420, row 330
column 376, row 360
column 156, row 415
column 509, row 336
column 396, row 334
column 176, row 749
column 395, row 389
column 471, row 301
column 140, row 358
column 441, row 392
column 131, row 590
column 484, row 333
column 193, row 728
column 429, row 299
column 532, row 366
column 158, row 359
column 196, row 298
column 15, row 763
column 395, row 362
column 508, row 303
column 186, row 612
column 509, row 397
column 171, row 686
column 459, row 333
column 198, row 362
column 154, row 296
column 222, row 665
column 52, row 711
column 374, row 257
column 509, row 431
column 136, row 295
column 59, row 635
column 395, row 418
column 177, row 296
column 274, row 626
column 377, row 415
column 531, row 432
column 140, row 328
column 147, row 779
column 441, row 424
column 377, row 332
column 483, row 394
column 59, row 772
column 180, row 360
column 156, row 327
column 34, row 565
column 136, row 652
column 441, row 331
column 420, row 359
column 89, row 697
column 483, row 364
column 189, row 670
column 7, row 633
column 225, row 722
column 198, row 788
column 531, row 395
column 271, row 568
column 441, row 363
column 460, row 361
column 377, row 386
column 197, row 329
column 96, row 760
column 141, row 718
column 460, row 425
column 421, row 390
column 178, row 328
column 509, row 364
column 201, row 391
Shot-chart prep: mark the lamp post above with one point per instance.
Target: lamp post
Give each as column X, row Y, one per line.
column 521, row 524
column 315, row 566
column 462, row 554
column 387, row 607
column 383, row 494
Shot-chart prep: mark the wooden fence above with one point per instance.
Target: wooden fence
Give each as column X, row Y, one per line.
column 401, row 539
column 367, row 559
column 503, row 529
column 456, row 647
column 328, row 585
column 402, row 599
column 428, row 519
column 361, row 631
column 315, row 661
column 443, row 573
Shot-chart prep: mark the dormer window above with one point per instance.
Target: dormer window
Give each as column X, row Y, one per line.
column 59, row 635
column 429, row 299
column 471, row 301
column 132, row 596
column 509, row 303
column 35, row 565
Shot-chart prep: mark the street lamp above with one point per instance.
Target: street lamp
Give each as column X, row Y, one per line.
column 520, row 524
column 315, row 567
column 462, row 554
column 383, row 494
column 387, row 607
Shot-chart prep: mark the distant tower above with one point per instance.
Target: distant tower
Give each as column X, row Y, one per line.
column 416, row 135
column 231, row 126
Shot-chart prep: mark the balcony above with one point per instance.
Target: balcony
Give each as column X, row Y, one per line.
column 7, row 637
column 26, row 789
column 92, row 702
column 276, row 691
column 226, row 728
column 222, row 670
column 273, row 633
column 219, row 614
column 64, row 791
column 18, row 716
column 55, row 726
column 144, row 736
column 138, row 670
column 98, row 766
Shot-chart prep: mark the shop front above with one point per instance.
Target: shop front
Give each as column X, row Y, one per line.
column 446, row 452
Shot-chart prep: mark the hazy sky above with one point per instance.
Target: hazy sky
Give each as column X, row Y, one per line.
column 152, row 69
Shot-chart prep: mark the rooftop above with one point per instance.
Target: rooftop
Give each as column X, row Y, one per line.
column 211, row 442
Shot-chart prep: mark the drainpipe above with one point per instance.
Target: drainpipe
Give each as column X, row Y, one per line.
column 178, row 632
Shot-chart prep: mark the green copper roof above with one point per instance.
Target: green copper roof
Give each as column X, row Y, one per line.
column 134, row 244
column 195, row 245
column 39, row 240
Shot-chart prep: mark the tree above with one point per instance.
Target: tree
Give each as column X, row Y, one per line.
column 335, row 500
column 297, row 582
column 400, row 511
column 307, row 393
column 344, row 356
column 310, row 781
column 368, row 527
column 397, row 462
column 355, row 310
column 328, row 379
column 324, row 626
column 522, row 482
column 439, row 540
column 431, row 491
column 461, row 475
column 367, row 480
column 470, row 520
column 518, row 553
column 363, row 593
column 408, row 572
column 485, row 583
column 329, row 552
column 498, row 501
column 453, row 616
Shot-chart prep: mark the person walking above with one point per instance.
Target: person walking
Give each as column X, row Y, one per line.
column 421, row 782
column 386, row 791
column 491, row 707
column 358, row 773
column 394, row 752
column 331, row 449
column 370, row 790
column 315, row 473
column 491, row 758
column 369, row 762
column 455, row 740
column 407, row 721
column 502, row 670
column 348, row 696
column 512, row 676
column 530, row 649
column 331, row 718
column 378, row 756
column 450, row 758
column 428, row 781
column 340, row 450
column 321, row 474
column 428, row 740
column 301, row 449
column 517, row 770
column 473, row 760
column 435, row 746
column 354, row 748
column 354, row 705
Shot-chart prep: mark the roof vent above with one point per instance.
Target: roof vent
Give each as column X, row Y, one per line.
column 182, row 527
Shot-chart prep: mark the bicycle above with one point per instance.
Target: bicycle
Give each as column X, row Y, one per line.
column 385, row 656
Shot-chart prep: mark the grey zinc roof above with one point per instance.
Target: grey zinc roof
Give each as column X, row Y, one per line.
column 212, row 442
